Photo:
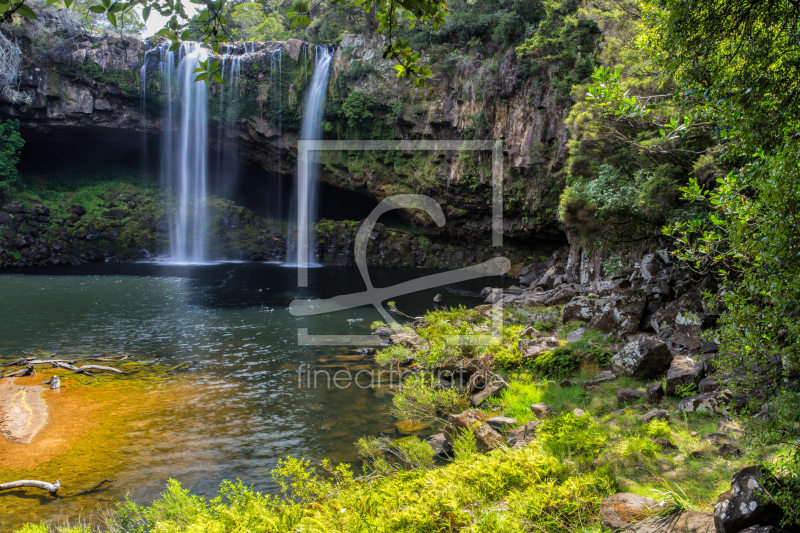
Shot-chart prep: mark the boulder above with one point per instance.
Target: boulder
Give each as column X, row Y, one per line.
column 655, row 414
column 708, row 384
column 746, row 504
column 602, row 377
column 523, row 435
column 644, row 357
column 467, row 418
column 619, row 312
column 762, row 529
column 531, row 348
column 501, row 423
column 709, row 402
column 78, row 210
column 578, row 412
column 655, row 392
column 486, row 438
column 675, row 522
column 683, row 371
column 650, row 266
column 682, row 310
column 15, row 207
column 577, row 335
column 629, row 395
column 492, row 389
column 541, row 410
column 727, row 449
column 621, row 509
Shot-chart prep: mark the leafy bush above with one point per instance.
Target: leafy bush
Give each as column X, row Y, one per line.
column 559, row 362
column 568, row 435
column 639, row 446
column 686, row 389
column 658, row 429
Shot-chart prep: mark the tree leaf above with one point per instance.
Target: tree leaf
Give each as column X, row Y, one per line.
column 112, row 18
column 26, row 12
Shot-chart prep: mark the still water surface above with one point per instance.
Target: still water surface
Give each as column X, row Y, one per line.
column 239, row 409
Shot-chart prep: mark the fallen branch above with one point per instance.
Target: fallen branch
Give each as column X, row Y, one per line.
column 85, row 369
column 20, row 361
column 24, row 372
column 97, row 368
column 65, row 366
column 40, row 362
column 52, row 488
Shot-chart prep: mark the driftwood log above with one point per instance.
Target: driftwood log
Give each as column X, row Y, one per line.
column 24, row 372
column 54, row 382
column 52, row 488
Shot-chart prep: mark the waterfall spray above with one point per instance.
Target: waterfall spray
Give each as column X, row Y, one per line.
column 307, row 170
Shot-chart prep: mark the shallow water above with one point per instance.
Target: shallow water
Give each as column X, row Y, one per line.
column 234, row 410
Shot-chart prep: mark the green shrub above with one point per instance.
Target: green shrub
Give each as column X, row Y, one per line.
column 568, row 435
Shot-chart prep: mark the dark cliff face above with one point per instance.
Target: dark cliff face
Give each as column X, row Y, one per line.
column 90, row 82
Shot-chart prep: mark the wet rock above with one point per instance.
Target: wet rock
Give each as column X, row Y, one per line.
column 709, row 402
column 501, row 423
column 628, row 395
column 621, row 509
column 78, row 210
column 655, row 414
column 683, row 371
column 492, row 389
column 437, row 299
column 644, row 357
column 531, row 348
column 411, row 426
column 541, row 410
column 746, row 504
column 655, row 393
column 523, row 435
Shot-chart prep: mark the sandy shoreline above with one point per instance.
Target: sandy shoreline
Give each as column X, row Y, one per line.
column 23, row 411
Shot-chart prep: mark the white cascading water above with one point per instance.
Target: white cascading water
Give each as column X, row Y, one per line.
column 184, row 156
column 308, row 170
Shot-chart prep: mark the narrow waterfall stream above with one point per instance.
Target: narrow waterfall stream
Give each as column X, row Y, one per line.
column 307, row 169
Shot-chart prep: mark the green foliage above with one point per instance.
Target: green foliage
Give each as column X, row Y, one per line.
column 563, row 39
column 355, row 108
column 657, row 429
column 617, row 207
column 568, row 435
column 11, row 143
column 555, row 363
column 686, row 389
column 420, row 400
column 503, row 490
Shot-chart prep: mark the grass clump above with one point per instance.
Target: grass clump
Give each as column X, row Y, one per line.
column 506, row 490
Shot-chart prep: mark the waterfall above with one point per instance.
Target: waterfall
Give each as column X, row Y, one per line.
column 308, row 170
column 184, row 151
